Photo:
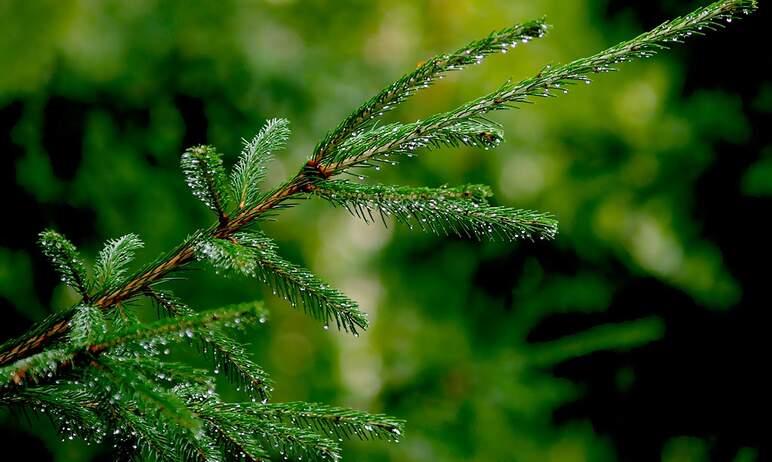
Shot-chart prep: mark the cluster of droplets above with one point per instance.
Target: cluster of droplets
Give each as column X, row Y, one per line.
column 202, row 168
column 249, row 377
column 64, row 257
column 228, row 257
column 71, row 429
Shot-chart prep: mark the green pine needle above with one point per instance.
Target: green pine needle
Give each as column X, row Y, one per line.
column 227, row 256
column 35, row 368
column 150, row 337
column 87, row 325
column 205, row 175
column 110, row 267
column 66, row 261
column 254, row 254
column 250, row 170
column 130, row 383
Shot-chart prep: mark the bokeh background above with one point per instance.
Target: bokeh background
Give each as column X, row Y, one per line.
column 641, row 333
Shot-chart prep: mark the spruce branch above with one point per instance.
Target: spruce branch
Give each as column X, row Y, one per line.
column 228, row 355
column 36, row 368
column 300, row 287
column 268, row 434
column 552, row 81
column 250, row 170
column 462, row 211
column 149, row 398
column 71, row 409
column 65, row 259
column 175, row 329
column 160, row 424
column 426, row 74
column 46, row 364
column 389, row 141
column 167, row 373
column 205, row 175
column 141, row 436
column 334, row 421
column 255, row 254
column 233, row 437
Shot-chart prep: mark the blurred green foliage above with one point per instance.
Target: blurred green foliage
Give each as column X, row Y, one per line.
column 112, row 92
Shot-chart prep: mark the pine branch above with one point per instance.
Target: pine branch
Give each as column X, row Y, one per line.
column 159, row 423
column 205, row 175
column 426, row 74
column 172, row 329
column 233, row 438
column 388, row 141
column 53, row 327
column 462, row 211
column 35, row 368
column 46, row 364
column 551, row 81
column 276, row 437
column 228, row 355
column 251, row 167
column 328, row 420
column 65, row 259
column 111, row 264
column 254, row 254
column 237, row 437
column 142, row 436
column 71, row 409
column 39, row 336
column 299, row 287
column 129, row 383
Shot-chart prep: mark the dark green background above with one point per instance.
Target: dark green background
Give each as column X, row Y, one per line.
column 641, row 333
